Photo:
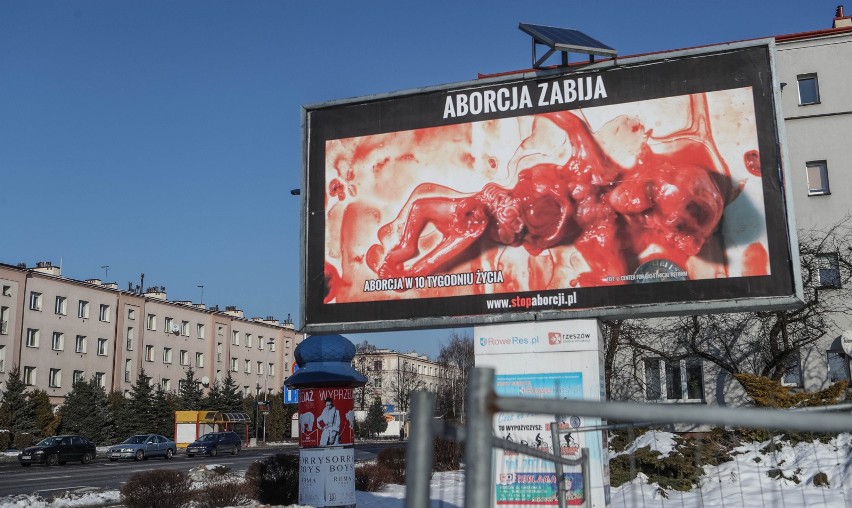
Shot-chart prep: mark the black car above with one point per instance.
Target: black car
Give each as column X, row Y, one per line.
column 58, row 450
column 214, row 443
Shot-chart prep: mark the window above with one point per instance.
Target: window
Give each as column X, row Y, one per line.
column 2, row 358
column 247, row 367
column 259, row 368
column 260, row 342
column 234, row 365
column 78, row 377
column 83, row 309
column 149, row 353
column 838, row 366
column 808, row 89
column 166, row 384
column 4, row 320
column 100, row 379
column 235, row 340
column 271, row 369
column 676, row 380
column 104, row 314
column 184, row 357
column 817, row 173
column 130, row 338
column 102, row 347
column 248, row 340
column 131, row 314
column 128, row 368
column 80, row 344
column 378, row 382
column 167, row 355
column 199, row 330
column 184, row 328
column 199, row 359
column 151, row 323
column 35, row 300
column 377, row 365
column 7, row 290
column 219, row 352
column 29, row 376
column 61, row 306
column 793, row 375
column 58, row 342
column 32, row 337
column 167, row 325
column 828, row 270
column 272, row 345
column 54, row 378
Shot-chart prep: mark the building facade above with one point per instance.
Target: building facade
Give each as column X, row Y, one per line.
column 393, row 375
column 58, row 330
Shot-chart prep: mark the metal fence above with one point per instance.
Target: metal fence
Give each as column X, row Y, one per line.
column 480, row 443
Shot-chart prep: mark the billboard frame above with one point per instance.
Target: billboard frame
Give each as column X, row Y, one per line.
column 315, row 321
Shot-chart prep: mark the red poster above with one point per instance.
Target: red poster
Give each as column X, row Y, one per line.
column 326, row 417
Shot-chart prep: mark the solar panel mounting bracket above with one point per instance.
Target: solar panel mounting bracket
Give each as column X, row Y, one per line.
column 564, row 40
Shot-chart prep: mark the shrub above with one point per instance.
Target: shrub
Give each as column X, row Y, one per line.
column 225, row 491
column 372, row 477
column 22, row 440
column 275, row 479
column 448, row 455
column 393, row 459
column 158, row 488
column 821, row 480
column 677, row 471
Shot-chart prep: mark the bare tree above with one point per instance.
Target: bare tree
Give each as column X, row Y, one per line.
column 456, row 359
column 767, row 343
column 406, row 382
column 364, row 362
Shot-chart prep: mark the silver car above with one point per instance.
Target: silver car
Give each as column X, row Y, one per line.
column 142, row 446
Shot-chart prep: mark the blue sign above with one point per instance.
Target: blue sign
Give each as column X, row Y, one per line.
column 291, row 396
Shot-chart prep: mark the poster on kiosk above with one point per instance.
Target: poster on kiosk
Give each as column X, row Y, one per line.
column 546, row 359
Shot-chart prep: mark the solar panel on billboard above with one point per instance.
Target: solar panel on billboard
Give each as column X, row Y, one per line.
column 566, row 39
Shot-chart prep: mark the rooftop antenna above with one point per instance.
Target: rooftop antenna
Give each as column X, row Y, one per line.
column 106, row 272
column 202, row 293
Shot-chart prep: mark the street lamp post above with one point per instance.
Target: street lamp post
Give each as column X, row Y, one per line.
column 269, row 345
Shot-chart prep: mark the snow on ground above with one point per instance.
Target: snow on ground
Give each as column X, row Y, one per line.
column 742, row 482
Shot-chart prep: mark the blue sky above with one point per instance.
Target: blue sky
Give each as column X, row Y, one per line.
column 164, row 136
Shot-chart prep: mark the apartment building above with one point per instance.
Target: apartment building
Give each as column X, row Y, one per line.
column 58, row 330
column 392, row 374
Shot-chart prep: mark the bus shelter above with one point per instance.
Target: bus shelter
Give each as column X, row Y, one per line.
column 190, row 425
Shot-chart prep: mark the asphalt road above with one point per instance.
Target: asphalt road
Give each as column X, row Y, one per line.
column 100, row 474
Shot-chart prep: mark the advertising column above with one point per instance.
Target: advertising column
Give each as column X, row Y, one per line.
column 549, row 359
column 325, row 380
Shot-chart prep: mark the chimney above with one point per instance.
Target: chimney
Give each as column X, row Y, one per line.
column 48, row 268
column 840, row 19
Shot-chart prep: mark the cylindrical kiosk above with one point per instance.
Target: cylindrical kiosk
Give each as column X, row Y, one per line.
column 325, row 381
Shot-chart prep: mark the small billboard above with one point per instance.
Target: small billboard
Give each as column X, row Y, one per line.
column 645, row 186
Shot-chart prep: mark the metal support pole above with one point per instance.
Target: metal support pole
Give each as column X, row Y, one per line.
column 560, row 474
column 587, row 481
column 478, row 488
column 419, row 472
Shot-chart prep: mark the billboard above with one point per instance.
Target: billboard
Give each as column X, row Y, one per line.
column 648, row 187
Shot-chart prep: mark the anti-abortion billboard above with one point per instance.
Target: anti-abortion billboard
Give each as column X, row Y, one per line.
column 644, row 186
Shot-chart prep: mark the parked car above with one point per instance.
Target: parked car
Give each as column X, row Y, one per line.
column 142, row 446
column 58, row 450
column 214, row 443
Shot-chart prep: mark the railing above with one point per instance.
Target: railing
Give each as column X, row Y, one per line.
column 483, row 404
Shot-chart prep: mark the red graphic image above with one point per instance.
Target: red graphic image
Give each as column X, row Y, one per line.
column 326, row 417
column 554, row 338
column 569, row 207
